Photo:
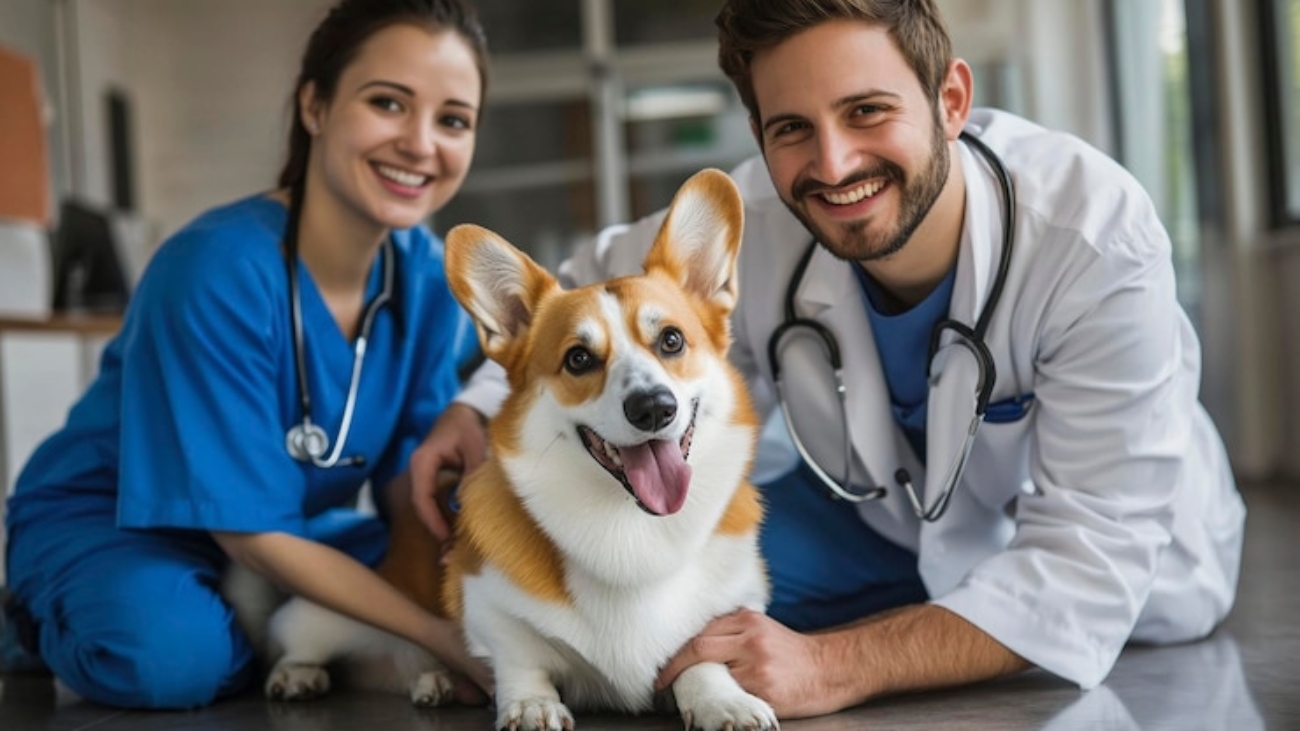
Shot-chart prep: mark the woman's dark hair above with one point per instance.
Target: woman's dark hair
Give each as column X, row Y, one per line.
column 337, row 40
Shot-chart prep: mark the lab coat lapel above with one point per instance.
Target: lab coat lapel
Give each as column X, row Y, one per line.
column 953, row 378
column 831, row 295
column 981, row 240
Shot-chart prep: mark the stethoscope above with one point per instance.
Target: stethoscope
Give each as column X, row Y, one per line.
column 971, row 340
column 307, row 441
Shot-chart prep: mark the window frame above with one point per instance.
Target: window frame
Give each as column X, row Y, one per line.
column 1281, row 185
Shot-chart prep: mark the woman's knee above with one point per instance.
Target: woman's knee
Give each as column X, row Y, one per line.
column 175, row 664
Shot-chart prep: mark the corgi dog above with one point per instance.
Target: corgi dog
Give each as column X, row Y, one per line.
column 614, row 518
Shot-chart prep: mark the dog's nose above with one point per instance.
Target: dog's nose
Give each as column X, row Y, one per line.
column 650, row 410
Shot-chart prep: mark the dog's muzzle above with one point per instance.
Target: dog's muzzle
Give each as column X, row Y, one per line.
column 653, row 472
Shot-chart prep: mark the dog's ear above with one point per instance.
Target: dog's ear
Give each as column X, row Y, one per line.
column 700, row 238
column 499, row 285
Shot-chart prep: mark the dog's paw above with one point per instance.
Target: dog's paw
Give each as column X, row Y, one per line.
column 742, row 712
column 290, row 682
column 534, row 714
column 432, row 688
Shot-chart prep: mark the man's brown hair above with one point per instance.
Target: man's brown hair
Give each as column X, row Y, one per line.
column 747, row 27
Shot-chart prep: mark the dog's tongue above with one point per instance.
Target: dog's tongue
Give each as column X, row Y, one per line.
column 658, row 474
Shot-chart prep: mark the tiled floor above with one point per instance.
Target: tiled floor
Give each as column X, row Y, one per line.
column 1243, row 678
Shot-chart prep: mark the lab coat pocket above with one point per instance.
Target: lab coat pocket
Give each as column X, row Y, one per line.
column 998, row 470
column 1009, row 410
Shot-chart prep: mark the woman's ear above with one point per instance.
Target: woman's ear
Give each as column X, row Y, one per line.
column 955, row 97
column 309, row 108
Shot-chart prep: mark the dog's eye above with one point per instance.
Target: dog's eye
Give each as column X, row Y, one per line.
column 579, row 360
column 671, row 341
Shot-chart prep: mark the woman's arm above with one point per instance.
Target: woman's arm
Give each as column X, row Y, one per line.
column 334, row 580
column 458, row 443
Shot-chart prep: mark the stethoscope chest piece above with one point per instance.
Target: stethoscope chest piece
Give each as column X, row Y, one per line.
column 306, row 442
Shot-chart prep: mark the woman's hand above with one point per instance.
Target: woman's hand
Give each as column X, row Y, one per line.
column 458, row 441
column 338, row 582
column 474, row 677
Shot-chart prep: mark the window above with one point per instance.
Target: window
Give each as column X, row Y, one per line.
column 1280, row 33
column 1161, row 129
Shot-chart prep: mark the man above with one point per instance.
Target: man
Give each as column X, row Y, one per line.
column 1094, row 505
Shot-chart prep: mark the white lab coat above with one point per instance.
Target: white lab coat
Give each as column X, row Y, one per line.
column 1109, row 511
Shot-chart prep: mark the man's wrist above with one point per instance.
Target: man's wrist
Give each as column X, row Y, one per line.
column 845, row 661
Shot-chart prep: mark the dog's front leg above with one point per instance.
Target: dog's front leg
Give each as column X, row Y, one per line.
column 711, row 700
column 309, row 637
column 527, row 700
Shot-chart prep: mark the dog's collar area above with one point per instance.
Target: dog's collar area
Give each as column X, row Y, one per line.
column 654, row 473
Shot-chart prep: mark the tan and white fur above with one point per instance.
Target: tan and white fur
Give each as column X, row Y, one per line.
column 613, row 520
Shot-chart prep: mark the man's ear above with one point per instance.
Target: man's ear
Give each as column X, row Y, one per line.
column 955, row 97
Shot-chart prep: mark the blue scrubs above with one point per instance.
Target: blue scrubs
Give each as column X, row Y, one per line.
column 183, row 433
column 827, row 566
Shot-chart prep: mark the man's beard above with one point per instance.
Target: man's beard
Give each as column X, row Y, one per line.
column 916, row 198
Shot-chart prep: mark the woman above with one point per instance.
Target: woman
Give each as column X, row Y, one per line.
column 279, row 352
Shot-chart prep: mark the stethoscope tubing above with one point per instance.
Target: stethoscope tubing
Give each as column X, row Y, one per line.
column 306, row 441
column 972, row 338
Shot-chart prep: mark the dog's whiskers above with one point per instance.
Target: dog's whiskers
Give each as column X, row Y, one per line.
column 542, row 454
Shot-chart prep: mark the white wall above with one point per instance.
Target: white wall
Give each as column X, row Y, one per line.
column 217, row 111
column 209, row 82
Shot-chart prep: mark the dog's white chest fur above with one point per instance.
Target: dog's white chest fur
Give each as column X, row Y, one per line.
column 605, row 649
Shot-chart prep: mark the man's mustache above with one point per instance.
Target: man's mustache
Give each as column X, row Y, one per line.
column 807, row 186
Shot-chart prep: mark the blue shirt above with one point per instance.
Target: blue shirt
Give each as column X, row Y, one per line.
column 903, row 342
column 827, row 566
column 184, row 426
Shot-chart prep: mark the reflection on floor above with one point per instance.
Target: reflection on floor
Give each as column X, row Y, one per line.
column 1242, row 678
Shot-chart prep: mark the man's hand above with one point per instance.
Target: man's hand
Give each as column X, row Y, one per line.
column 766, row 658
column 914, row 647
column 458, row 441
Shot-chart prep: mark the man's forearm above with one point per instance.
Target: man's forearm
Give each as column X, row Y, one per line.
column 918, row 647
